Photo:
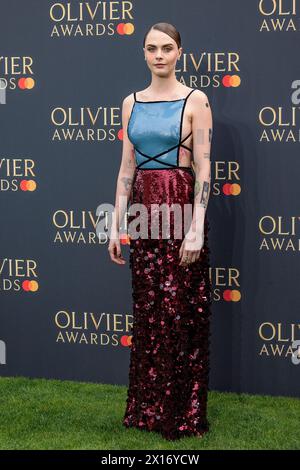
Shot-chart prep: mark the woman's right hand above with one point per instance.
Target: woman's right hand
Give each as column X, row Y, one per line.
column 114, row 249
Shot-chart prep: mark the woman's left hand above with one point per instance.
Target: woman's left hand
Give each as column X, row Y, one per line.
column 190, row 249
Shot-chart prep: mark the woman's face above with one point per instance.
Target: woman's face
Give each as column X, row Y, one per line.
column 160, row 48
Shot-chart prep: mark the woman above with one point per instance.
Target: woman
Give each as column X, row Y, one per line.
column 167, row 131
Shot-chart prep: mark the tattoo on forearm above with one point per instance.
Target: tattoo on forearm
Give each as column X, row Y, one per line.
column 129, row 163
column 197, row 188
column 131, row 160
column 205, row 194
column 127, row 182
column 206, row 155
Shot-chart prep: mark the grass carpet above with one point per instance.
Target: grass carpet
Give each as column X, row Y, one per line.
column 54, row 414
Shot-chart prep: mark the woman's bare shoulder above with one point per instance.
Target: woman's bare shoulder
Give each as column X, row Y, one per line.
column 128, row 99
column 199, row 95
column 198, row 100
column 127, row 104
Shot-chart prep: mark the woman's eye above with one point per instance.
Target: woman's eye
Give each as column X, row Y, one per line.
column 152, row 50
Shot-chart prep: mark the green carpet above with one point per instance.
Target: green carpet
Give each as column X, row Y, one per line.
column 53, row 414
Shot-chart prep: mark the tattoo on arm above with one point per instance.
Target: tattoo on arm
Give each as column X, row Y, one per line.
column 201, row 136
column 197, row 188
column 205, row 194
column 131, row 160
column 127, row 182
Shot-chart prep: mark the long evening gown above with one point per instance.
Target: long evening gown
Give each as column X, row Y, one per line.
column 169, row 357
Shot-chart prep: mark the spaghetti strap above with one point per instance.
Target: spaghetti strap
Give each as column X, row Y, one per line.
column 190, row 93
column 134, row 96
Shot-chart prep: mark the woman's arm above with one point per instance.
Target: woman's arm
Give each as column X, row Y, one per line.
column 202, row 127
column 124, row 182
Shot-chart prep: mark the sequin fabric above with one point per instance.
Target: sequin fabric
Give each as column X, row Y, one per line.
column 169, row 357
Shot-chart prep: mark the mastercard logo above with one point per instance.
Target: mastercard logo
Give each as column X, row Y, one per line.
column 26, row 83
column 231, row 189
column 31, row 286
column 120, row 134
column 28, row 185
column 125, row 28
column 126, row 340
column 231, row 80
column 231, row 295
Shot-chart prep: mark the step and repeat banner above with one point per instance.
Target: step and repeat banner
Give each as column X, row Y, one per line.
column 65, row 68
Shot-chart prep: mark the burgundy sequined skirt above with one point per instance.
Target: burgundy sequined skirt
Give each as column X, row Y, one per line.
column 169, row 357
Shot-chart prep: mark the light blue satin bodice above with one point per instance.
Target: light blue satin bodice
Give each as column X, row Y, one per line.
column 154, row 129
